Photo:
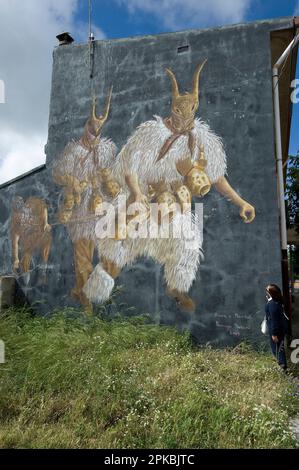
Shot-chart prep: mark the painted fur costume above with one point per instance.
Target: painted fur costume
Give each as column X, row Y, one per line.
column 82, row 165
column 169, row 161
column 139, row 155
column 141, row 152
column 79, row 170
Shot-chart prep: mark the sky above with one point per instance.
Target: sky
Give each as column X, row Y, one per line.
column 28, row 30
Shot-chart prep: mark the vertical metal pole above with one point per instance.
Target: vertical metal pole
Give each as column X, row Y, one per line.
column 281, row 200
column 91, row 41
column 89, row 17
column 280, row 180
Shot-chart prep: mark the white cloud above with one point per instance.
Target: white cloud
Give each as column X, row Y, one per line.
column 28, row 32
column 23, row 155
column 184, row 14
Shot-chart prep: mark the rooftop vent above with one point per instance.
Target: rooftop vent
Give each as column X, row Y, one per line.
column 182, row 49
column 64, row 39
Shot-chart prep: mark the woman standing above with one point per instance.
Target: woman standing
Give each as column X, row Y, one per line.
column 277, row 323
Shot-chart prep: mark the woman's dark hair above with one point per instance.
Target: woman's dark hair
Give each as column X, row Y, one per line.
column 275, row 293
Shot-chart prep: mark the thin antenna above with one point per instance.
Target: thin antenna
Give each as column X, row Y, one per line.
column 91, row 40
column 91, row 36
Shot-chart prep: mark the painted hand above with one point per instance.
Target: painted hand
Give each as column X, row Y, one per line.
column 16, row 264
column 47, row 228
column 142, row 199
column 247, row 212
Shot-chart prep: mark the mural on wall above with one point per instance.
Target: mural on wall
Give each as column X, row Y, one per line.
column 166, row 162
column 30, row 232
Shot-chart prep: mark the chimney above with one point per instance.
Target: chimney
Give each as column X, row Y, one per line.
column 64, row 39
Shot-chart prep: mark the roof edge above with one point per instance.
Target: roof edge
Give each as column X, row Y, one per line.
column 24, row 175
column 275, row 21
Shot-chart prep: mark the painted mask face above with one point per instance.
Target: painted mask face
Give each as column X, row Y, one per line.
column 93, row 128
column 198, row 182
column 184, row 194
column 184, row 106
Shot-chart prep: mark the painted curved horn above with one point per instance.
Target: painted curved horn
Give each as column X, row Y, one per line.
column 105, row 114
column 175, row 88
column 195, row 87
column 93, row 109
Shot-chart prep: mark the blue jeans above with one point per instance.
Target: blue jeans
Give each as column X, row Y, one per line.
column 278, row 351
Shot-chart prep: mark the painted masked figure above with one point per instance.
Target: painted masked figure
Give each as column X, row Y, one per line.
column 30, row 232
column 80, row 170
column 183, row 157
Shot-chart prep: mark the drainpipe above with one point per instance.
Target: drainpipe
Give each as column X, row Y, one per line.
column 283, row 227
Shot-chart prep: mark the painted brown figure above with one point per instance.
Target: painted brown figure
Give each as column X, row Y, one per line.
column 79, row 171
column 30, row 232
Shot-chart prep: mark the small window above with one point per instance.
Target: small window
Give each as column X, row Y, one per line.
column 182, row 49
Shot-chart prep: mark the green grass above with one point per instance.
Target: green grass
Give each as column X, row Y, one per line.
column 72, row 382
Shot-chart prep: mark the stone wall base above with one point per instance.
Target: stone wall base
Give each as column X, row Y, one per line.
column 7, row 291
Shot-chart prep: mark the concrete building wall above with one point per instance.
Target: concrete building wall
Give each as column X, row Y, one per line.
column 236, row 101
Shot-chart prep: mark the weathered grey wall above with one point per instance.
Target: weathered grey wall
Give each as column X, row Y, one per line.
column 236, row 100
